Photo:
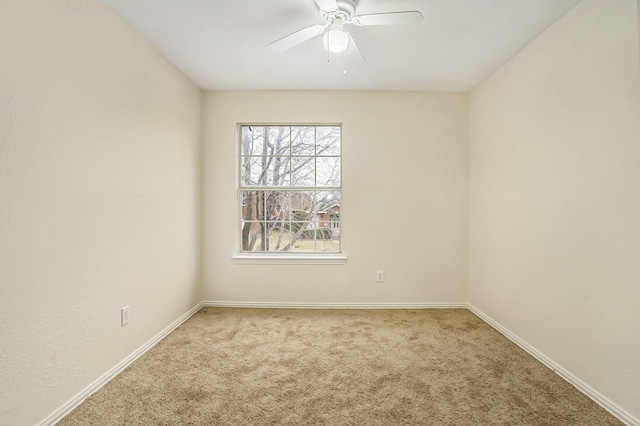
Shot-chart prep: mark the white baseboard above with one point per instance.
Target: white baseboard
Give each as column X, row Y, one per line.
column 57, row 415
column 600, row 399
column 614, row 409
column 309, row 305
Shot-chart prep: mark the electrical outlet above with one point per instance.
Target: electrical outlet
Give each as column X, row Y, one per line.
column 124, row 316
column 380, row 276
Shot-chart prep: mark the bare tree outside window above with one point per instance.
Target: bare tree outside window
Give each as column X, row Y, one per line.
column 290, row 188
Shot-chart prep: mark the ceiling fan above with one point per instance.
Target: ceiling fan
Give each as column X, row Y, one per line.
column 337, row 14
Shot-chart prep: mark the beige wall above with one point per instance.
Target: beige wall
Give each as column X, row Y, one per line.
column 554, row 243
column 99, row 199
column 404, row 204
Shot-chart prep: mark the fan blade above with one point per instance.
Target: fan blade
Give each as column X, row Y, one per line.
column 294, row 39
column 353, row 54
column 327, row 5
column 391, row 18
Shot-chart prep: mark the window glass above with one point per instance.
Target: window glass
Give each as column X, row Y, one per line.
column 290, row 188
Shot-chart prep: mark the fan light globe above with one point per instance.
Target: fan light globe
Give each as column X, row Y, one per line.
column 336, row 40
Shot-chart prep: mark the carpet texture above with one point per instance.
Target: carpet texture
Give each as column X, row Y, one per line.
column 337, row 367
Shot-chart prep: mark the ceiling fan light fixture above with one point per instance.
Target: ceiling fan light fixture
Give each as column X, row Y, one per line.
column 336, row 14
column 336, row 40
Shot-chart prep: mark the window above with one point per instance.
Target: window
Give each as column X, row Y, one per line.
column 289, row 189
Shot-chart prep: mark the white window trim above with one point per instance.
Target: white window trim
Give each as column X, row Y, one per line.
column 270, row 258
column 289, row 259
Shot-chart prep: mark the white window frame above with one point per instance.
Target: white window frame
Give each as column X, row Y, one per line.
column 282, row 258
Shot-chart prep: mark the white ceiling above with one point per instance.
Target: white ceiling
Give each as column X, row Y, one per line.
column 224, row 44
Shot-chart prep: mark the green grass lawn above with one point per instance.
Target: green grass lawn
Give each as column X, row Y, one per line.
column 301, row 245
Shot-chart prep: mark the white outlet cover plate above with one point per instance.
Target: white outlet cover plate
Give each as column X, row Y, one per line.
column 124, row 316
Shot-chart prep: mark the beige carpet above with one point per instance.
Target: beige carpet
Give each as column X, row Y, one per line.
column 337, row 367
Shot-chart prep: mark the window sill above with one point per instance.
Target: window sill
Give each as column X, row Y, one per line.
column 294, row 259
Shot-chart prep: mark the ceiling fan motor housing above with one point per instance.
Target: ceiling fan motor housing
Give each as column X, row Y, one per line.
column 346, row 11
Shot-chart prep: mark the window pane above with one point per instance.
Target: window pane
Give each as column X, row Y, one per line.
column 272, row 208
column 251, row 236
column 305, row 243
column 298, row 235
column 332, row 246
column 328, row 140
column 280, row 203
column 280, row 240
column 277, row 141
column 250, row 205
column 328, row 171
column 252, row 139
column 303, row 140
column 278, row 171
column 301, row 201
column 328, row 208
column 303, row 171
column 252, row 168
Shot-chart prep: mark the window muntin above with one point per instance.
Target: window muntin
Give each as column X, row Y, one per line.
column 290, row 189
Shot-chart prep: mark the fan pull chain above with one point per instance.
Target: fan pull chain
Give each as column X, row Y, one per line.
column 344, row 63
